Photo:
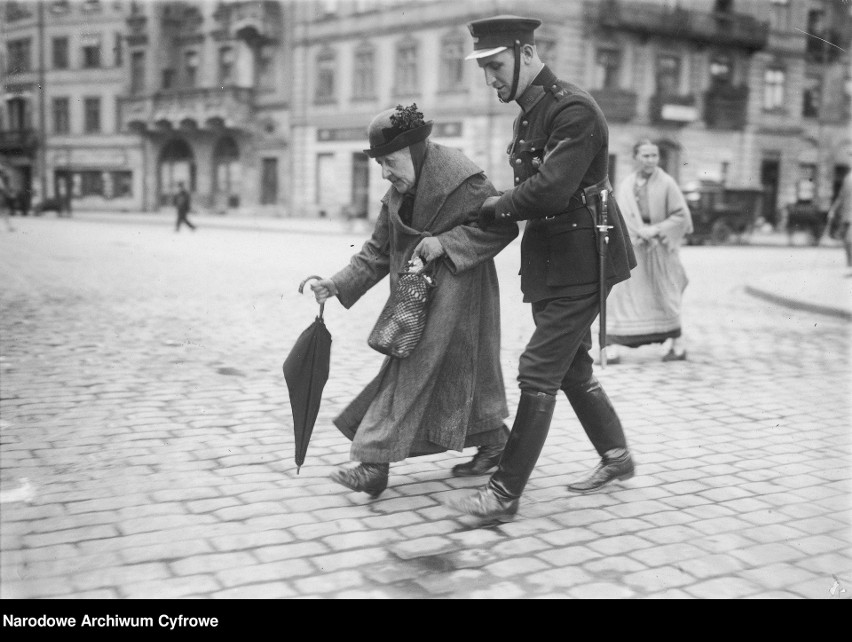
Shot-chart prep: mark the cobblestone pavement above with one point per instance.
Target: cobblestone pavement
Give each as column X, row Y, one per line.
column 147, row 445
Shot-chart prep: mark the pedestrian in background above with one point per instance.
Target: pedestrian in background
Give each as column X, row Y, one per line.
column 5, row 201
column 183, row 204
column 449, row 393
column 559, row 156
column 647, row 308
column 840, row 217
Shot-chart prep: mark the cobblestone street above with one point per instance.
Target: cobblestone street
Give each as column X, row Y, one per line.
column 146, row 441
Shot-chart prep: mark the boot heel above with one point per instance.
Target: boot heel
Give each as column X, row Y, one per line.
column 626, row 476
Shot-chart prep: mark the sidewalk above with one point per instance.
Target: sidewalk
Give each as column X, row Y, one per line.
column 824, row 292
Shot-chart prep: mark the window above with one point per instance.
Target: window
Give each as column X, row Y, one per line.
column 190, row 68
column 60, row 53
column 92, row 115
column 266, row 69
column 91, row 183
column 92, row 55
column 452, row 64
column 546, row 49
column 61, row 123
column 118, row 50
column 269, row 181
column 406, row 69
column 326, row 62
column 226, row 66
column 122, row 184
column 137, row 72
column 20, row 56
column 668, row 75
column 607, row 69
column 16, row 108
column 168, row 78
column 773, row 89
column 363, row 77
column 721, row 70
column 811, row 97
column 779, row 16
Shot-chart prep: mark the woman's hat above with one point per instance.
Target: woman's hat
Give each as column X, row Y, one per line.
column 394, row 129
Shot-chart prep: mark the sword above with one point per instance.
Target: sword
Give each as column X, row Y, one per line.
column 603, row 242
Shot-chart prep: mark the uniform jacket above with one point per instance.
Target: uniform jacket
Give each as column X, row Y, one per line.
column 560, row 146
column 451, row 386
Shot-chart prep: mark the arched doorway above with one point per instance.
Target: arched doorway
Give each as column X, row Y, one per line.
column 176, row 165
column 226, row 174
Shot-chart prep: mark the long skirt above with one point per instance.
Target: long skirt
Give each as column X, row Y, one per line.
column 646, row 308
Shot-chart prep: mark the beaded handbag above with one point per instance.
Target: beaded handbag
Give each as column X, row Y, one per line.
column 400, row 325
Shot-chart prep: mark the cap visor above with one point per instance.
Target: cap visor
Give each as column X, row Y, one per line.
column 484, row 53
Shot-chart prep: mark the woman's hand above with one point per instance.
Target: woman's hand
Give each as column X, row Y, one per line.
column 324, row 289
column 429, row 249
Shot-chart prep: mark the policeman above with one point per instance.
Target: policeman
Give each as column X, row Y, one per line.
column 559, row 156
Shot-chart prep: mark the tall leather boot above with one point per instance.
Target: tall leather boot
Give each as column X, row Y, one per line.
column 499, row 500
column 603, row 428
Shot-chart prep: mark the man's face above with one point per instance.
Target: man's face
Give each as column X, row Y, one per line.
column 398, row 168
column 499, row 71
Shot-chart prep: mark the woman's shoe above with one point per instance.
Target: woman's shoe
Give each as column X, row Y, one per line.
column 364, row 478
column 486, row 458
column 671, row 355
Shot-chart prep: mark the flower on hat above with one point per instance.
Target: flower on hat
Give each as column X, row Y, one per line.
column 407, row 117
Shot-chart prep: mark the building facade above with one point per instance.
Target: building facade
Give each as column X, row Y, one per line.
column 263, row 105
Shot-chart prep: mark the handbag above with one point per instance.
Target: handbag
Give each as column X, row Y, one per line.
column 400, row 325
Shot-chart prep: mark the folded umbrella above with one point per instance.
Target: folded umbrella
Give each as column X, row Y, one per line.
column 306, row 372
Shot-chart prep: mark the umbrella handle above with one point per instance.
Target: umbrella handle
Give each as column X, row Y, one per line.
column 302, row 287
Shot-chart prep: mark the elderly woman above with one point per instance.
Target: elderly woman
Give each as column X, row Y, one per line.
column 646, row 308
column 449, row 393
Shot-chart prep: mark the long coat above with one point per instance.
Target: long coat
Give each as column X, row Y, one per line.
column 647, row 308
column 560, row 147
column 449, row 392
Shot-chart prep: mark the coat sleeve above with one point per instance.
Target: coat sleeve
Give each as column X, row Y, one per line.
column 575, row 136
column 678, row 221
column 369, row 266
column 467, row 245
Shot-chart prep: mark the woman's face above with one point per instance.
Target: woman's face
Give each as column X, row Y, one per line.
column 398, row 168
column 648, row 157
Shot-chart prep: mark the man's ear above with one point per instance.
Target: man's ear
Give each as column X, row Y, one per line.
column 528, row 53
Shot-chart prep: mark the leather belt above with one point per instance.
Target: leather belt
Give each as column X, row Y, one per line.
column 584, row 197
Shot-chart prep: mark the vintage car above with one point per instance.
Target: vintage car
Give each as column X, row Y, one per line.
column 720, row 213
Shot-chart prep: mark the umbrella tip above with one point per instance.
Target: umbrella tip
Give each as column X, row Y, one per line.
column 298, row 468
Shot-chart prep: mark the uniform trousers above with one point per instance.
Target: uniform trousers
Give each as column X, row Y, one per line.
column 557, row 358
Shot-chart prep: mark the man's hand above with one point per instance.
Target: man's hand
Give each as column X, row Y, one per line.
column 324, row 289
column 429, row 249
column 487, row 211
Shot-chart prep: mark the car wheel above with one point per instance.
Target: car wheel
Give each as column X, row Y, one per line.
column 720, row 232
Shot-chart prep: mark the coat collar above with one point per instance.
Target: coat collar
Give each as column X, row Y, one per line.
column 535, row 91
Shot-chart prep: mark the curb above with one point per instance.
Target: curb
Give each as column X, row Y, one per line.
column 797, row 304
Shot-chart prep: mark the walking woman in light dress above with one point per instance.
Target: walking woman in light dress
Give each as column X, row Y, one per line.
column 646, row 309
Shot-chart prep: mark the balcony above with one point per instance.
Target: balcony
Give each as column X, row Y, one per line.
column 651, row 19
column 618, row 105
column 255, row 23
column 189, row 110
column 18, row 141
column 726, row 107
column 673, row 110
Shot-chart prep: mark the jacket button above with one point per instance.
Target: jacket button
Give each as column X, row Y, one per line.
column 517, row 161
column 517, row 179
column 525, row 123
column 521, row 142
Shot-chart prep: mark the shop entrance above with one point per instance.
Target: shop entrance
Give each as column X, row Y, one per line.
column 177, row 165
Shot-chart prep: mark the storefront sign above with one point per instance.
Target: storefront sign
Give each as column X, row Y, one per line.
column 447, row 130
column 348, row 133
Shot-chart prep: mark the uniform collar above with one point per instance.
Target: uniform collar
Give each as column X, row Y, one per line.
column 535, row 91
